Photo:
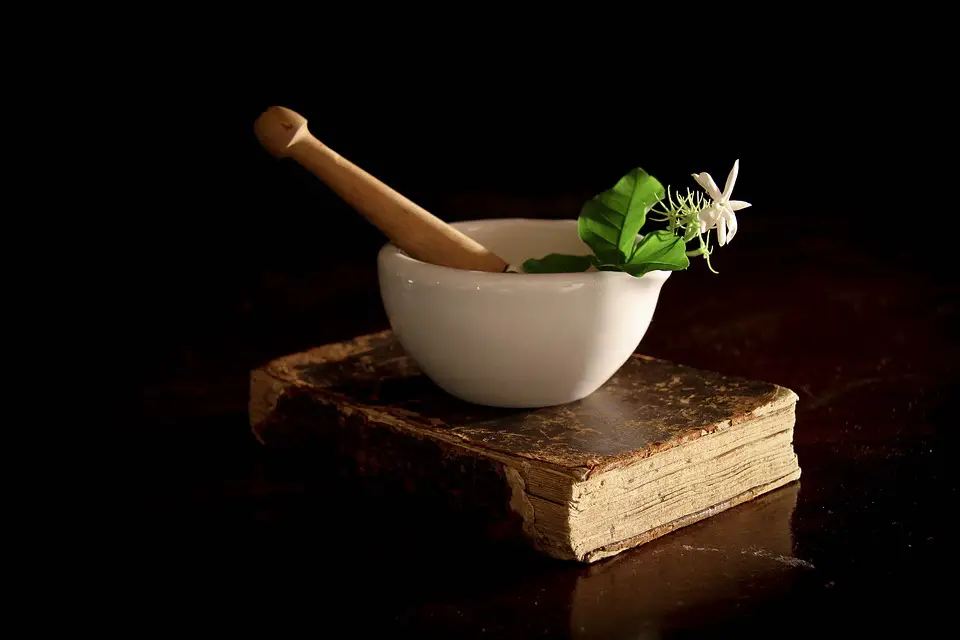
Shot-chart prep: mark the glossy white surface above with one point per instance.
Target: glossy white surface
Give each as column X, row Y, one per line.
column 517, row 340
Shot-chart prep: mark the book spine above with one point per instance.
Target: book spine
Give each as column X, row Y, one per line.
column 461, row 493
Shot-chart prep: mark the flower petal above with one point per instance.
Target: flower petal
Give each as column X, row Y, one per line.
column 736, row 205
column 721, row 231
column 731, row 180
column 732, row 225
column 708, row 216
column 706, row 181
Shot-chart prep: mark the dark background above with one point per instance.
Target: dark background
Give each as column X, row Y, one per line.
column 838, row 285
column 835, row 140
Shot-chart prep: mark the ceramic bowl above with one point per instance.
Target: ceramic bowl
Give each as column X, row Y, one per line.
column 517, row 340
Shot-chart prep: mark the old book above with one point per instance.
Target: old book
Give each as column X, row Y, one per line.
column 658, row 447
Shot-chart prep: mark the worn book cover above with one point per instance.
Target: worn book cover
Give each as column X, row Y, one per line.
column 658, row 447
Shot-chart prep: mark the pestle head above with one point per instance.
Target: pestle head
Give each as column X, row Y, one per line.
column 278, row 128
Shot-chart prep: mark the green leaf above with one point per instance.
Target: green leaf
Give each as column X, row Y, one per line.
column 609, row 222
column 558, row 263
column 633, row 196
column 600, row 230
column 658, row 251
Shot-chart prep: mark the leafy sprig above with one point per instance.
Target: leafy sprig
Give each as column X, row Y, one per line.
column 610, row 224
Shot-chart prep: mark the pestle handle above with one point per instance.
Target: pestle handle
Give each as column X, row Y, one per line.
column 413, row 229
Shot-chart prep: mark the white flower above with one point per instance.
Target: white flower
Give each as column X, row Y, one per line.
column 720, row 213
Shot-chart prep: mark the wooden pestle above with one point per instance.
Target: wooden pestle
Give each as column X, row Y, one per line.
column 411, row 228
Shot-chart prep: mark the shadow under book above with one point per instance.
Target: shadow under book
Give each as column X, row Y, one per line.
column 658, row 447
